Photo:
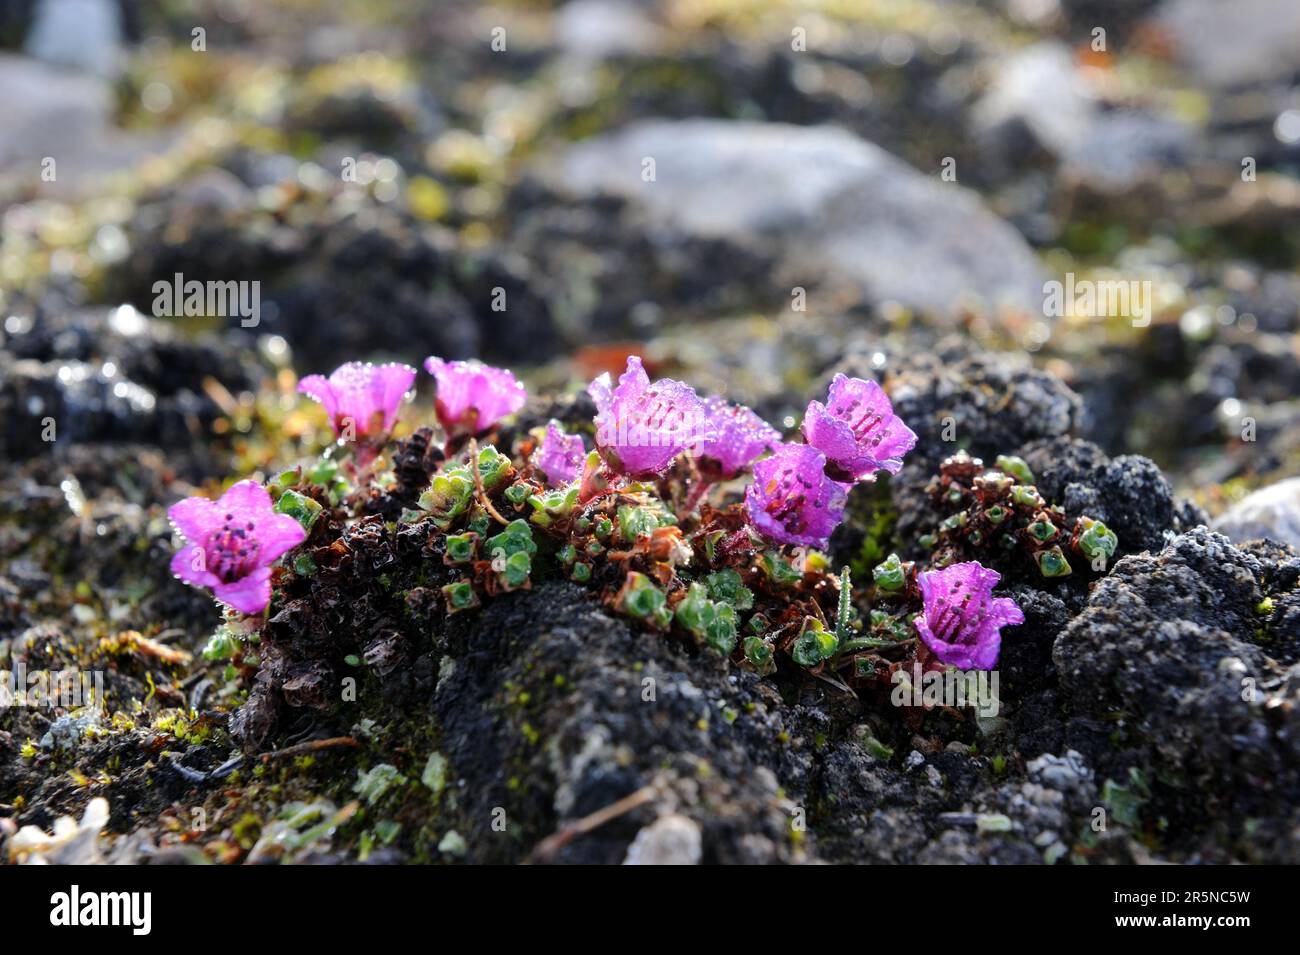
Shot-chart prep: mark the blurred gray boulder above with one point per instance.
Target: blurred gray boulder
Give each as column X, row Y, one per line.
column 1039, row 97
column 1272, row 511
column 82, row 34
column 1237, row 43
column 818, row 201
column 47, row 111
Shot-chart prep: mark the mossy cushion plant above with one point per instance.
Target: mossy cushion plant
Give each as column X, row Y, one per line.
column 630, row 519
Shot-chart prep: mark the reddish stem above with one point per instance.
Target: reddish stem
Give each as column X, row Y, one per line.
column 697, row 492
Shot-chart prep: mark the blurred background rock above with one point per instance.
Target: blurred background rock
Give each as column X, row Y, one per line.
column 903, row 171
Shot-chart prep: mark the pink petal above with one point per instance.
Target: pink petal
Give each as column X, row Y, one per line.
column 829, row 435
column 195, row 518
column 602, row 393
column 318, row 388
column 251, row 594
column 643, row 459
column 739, row 435
column 276, row 535
column 186, row 564
column 391, row 382
column 633, row 381
column 247, row 500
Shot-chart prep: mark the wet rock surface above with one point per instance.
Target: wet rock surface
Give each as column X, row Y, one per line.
column 114, row 376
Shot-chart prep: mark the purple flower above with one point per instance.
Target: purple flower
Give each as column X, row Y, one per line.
column 739, row 436
column 791, row 500
column 641, row 426
column 233, row 543
column 962, row 621
column 857, row 430
column 560, row 456
column 361, row 399
column 472, row 396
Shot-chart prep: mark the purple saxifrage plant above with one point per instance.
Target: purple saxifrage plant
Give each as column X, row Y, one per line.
column 642, row 425
column 471, row 397
column 361, row 399
column 792, row 500
column 962, row 621
column 857, row 430
column 233, row 542
column 622, row 520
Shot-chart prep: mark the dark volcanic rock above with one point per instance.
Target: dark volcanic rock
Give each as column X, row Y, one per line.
column 987, row 404
column 544, row 712
column 350, row 278
column 99, row 376
column 1174, row 651
column 1127, row 493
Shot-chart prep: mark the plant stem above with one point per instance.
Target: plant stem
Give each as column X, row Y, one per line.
column 478, row 484
column 696, row 493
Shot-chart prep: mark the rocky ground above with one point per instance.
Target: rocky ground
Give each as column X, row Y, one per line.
column 799, row 223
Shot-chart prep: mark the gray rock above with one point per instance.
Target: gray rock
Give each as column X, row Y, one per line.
column 1242, row 43
column 1060, row 773
column 1123, row 148
column 83, row 34
column 669, row 840
column 820, row 201
column 1272, row 511
column 592, row 30
column 48, row 110
column 1041, row 91
column 66, row 116
column 1040, row 88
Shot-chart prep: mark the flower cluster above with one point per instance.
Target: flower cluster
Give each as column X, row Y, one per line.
column 362, row 400
column 235, row 540
column 800, row 493
column 622, row 519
